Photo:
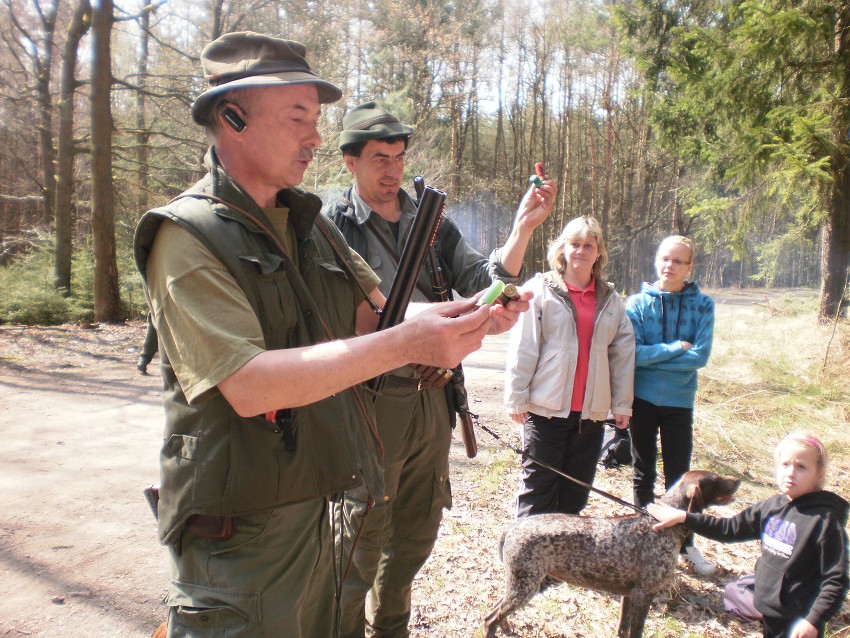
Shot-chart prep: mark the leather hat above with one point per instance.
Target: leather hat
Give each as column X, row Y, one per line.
column 370, row 121
column 245, row 59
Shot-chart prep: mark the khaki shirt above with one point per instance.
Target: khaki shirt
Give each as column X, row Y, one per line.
column 206, row 325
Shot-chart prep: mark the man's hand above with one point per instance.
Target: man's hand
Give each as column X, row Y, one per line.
column 519, row 417
column 505, row 317
column 534, row 208
column 621, row 421
column 443, row 334
column 536, row 205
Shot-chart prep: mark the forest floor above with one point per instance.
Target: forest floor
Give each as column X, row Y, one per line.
column 80, row 431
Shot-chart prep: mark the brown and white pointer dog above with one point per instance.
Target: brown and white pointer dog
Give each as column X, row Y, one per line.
column 618, row 555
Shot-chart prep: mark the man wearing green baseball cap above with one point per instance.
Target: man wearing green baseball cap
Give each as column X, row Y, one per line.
column 414, row 418
column 257, row 299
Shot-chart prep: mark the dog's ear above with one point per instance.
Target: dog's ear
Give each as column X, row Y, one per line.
column 696, row 503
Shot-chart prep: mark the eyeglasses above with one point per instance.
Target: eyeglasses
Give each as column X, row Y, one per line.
column 675, row 262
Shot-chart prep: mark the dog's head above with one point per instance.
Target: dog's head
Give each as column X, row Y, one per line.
column 699, row 489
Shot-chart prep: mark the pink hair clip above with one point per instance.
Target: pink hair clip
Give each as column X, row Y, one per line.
column 810, row 440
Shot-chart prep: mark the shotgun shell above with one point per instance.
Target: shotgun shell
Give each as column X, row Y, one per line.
column 509, row 293
column 537, row 178
column 492, row 293
column 538, row 170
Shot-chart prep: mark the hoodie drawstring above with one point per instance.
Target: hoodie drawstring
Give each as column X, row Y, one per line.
column 664, row 317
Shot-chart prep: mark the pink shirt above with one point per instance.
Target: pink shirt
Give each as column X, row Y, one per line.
column 585, row 303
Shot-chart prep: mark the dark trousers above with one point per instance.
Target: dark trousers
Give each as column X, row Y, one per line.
column 569, row 444
column 675, row 427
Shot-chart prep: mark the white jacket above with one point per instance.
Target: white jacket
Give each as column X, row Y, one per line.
column 543, row 352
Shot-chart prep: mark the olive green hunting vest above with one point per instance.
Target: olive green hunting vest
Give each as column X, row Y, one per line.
column 216, row 463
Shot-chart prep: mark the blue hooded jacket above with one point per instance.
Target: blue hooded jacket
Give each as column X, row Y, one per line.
column 664, row 373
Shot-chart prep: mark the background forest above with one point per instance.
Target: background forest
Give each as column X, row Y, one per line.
column 719, row 119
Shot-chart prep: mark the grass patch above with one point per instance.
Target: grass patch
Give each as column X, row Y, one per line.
column 30, row 297
column 772, row 373
column 492, row 479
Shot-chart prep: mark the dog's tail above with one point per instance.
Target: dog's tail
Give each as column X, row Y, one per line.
column 502, row 545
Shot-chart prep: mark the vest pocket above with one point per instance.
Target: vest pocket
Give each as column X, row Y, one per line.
column 182, row 445
column 264, row 263
column 264, row 473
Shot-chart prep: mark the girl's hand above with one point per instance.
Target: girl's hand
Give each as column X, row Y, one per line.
column 803, row 629
column 665, row 515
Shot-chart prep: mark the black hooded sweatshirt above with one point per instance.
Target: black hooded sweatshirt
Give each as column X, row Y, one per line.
column 802, row 572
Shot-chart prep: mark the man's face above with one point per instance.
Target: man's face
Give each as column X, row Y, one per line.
column 378, row 171
column 281, row 134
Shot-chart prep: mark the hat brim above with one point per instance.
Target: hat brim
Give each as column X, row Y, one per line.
column 327, row 92
column 377, row 132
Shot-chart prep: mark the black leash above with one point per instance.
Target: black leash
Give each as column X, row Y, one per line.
column 542, row 464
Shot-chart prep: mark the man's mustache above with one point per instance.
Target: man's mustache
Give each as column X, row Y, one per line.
column 306, row 154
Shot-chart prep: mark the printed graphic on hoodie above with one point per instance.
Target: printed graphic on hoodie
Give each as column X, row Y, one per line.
column 779, row 536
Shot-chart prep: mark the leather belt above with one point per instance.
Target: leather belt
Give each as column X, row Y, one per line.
column 417, row 384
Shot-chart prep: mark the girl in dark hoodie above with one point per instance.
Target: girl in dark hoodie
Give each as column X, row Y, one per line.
column 801, row 577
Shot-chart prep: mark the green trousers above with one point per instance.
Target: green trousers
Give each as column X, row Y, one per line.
column 273, row 578
column 399, row 533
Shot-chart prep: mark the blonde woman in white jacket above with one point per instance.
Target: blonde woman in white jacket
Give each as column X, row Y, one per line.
column 570, row 362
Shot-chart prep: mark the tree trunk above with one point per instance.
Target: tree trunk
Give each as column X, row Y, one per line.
column 107, row 297
column 142, row 132
column 65, row 152
column 835, row 241
column 500, row 145
column 46, row 150
column 591, row 134
column 608, row 107
column 835, row 232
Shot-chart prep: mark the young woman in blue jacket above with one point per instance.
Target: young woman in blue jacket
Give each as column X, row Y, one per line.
column 674, row 324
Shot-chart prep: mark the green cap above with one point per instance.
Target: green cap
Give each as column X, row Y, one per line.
column 244, row 59
column 370, row 121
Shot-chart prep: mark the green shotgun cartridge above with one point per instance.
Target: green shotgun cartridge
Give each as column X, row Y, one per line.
column 492, row 293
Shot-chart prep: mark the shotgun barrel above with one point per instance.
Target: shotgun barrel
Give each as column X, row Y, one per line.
column 415, row 251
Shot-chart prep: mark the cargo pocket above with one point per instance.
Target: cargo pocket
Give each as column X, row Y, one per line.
column 218, row 613
column 441, row 496
column 249, row 531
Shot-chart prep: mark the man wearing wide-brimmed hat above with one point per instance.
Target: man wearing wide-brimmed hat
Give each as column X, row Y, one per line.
column 251, row 291
column 414, row 418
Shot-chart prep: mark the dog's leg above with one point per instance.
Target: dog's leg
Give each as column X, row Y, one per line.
column 494, row 619
column 624, row 629
column 504, row 608
column 520, row 587
column 639, row 605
